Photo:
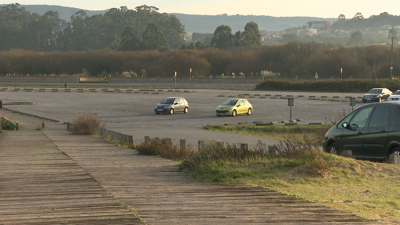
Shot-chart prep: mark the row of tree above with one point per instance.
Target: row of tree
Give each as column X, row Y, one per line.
column 358, row 22
column 289, row 60
column 20, row 29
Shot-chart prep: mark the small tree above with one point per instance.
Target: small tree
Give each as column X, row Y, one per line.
column 356, row 38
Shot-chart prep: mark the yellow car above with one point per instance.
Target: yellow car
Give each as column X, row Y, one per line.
column 234, row 106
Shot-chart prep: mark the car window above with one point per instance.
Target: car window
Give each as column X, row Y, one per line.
column 167, row 101
column 176, row 100
column 360, row 119
column 230, row 102
column 379, row 117
column 394, row 118
column 346, row 119
column 397, row 93
column 375, row 91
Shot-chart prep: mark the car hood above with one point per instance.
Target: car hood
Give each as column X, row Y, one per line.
column 394, row 96
column 163, row 105
column 225, row 107
column 372, row 94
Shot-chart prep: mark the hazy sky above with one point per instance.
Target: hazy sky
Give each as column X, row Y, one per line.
column 318, row 8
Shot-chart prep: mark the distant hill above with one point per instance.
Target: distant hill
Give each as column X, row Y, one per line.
column 199, row 23
column 208, row 24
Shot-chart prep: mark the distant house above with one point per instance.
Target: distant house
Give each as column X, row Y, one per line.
column 319, row 24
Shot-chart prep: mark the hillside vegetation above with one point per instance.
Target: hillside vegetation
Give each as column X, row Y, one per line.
column 284, row 61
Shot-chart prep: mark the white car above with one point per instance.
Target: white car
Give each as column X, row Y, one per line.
column 395, row 96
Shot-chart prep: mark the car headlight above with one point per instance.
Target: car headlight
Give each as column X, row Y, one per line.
column 230, row 108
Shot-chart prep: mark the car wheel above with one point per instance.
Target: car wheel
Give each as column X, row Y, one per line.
column 234, row 113
column 157, row 113
column 249, row 112
column 186, row 110
column 395, row 151
column 334, row 149
column 171, row 111
column 364, row 101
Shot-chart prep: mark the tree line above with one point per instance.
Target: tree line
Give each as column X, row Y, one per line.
column 292, row 60
column 20, row 29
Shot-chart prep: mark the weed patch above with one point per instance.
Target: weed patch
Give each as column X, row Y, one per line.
column 86, row 124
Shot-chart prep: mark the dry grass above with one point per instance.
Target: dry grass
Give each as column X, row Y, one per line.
column 86, row 124
column 165, row 148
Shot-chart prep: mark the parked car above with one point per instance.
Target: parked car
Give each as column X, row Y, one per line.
column 171, row 105
column 371, row 132
column 395, row 96
column 234, row 106
column 376, row 95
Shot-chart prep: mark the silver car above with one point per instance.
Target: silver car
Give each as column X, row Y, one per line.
column 171, row 105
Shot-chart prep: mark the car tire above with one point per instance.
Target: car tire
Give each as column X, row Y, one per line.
column 234, row 113
column 334, row 149
column 364, row 101
column 249, row 112
column 186, row 110
column 157, row 113
column 171, row 111
column 395, row 150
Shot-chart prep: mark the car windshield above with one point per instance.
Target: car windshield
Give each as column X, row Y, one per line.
column 168, row 101
column 376, row 91
column 397, row 93
column 230, row 102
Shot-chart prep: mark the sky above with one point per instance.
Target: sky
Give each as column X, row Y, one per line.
column 278, row 8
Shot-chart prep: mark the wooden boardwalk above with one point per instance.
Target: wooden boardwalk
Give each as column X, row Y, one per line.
column 41, row 185
column 50, row 177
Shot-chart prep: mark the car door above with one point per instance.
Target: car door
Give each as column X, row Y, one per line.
column 351, row 137
column 177, row 105
column 393, row 128
column 240, row 107
column 375, row 135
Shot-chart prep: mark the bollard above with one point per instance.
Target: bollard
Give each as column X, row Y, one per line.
column 169, row 141
column 17, row 125
column 67, row 125
column 244, row 146
column 1, row 104
column 146, row 139
column 42, row 124
column 201, row 145
column 130, row 140
column 183, row 144
column 66, row 85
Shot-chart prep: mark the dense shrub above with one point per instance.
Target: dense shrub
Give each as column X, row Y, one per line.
column 86, row 124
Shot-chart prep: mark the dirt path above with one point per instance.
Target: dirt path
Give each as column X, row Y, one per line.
column 51, row 177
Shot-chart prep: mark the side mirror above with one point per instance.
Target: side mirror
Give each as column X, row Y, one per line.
column 175, row 103
column 238, row 105
column 346, row 125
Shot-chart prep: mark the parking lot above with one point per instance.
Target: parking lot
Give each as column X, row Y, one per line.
column 131, row 111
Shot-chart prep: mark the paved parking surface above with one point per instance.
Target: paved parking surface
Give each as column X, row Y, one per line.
column 131, row 111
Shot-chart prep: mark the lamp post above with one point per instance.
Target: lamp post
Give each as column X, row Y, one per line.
column 341, row 73
column 190, row 75
column 176, row 74
column 391, row 61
